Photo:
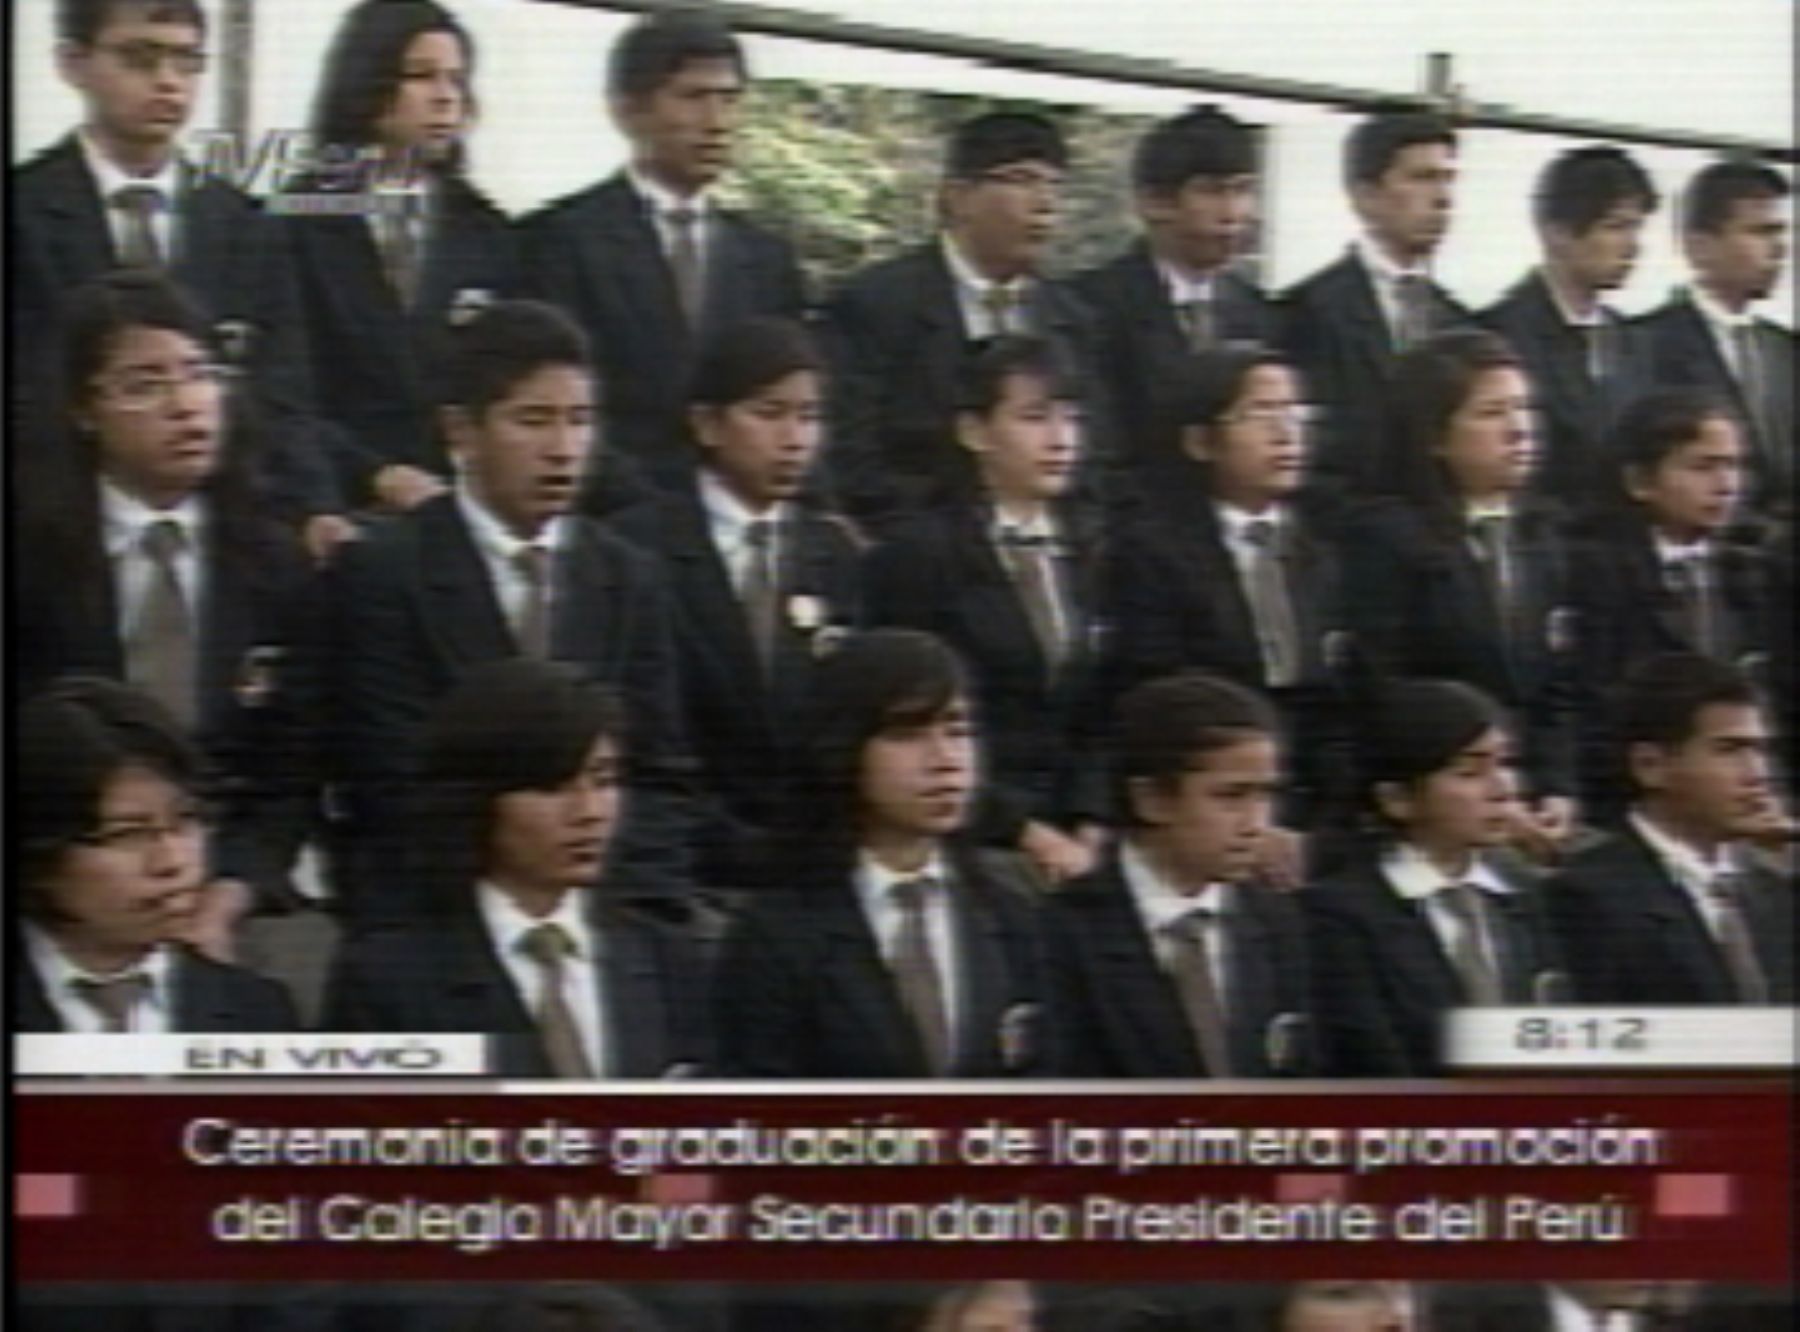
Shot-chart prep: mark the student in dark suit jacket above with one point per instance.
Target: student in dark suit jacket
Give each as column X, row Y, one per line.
column 1734, row 234
column 519, row 794
column 1670, row 911
column 1466, row 576
column 761, row 582
column 647, row 262
column 1175, row 960
column 901, row 329
column 153, row 559
column 895, row 951
column 1344, row 325
column 1430, row 923
column 501, row 568
column 1587, row 362
column 1219, row 569
column 118, row 193
column 383, row 284
column 113, row 871
column 1660, row 573
column 1176, row 292
column 1009, row 578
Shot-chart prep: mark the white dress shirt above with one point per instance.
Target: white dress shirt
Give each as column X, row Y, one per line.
column 1186, row 288
column 1234, row 523
column 123, row 521
column 110, row 178
column 1691, row 870
column 971, row 296
column 1594, row 317
column 1723, row 324
column 1386, row 275
column 663, row 201
column 1696, row 555
column 728, row 518
column 500, row 547
column 1160, row 905
column 1568, row 1314
column 1042, row 527
column 507, row 927
column 1414, row 878
column 390, row 196
column 874, row 893
column 154, row 1012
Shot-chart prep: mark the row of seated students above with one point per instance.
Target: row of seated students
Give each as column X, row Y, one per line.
column 991, row 1306
column 890, row 944
column 338, row 317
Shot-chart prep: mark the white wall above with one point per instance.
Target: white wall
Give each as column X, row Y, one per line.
column 544, row 132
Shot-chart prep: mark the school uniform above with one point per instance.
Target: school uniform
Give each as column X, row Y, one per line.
column 744, row 700
column 378, row 339
column 1115, row 996
column 1385, row 941
column 1152, row 322
column 965, row 573
column 899, row 331
column 807, row 985
column 214, row 241
column 184, row 992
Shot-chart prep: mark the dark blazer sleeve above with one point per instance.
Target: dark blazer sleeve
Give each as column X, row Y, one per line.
column 761, row 996
column 378, row 703
column 1356, row 1037
column 212, row 996
column 1072, row 1009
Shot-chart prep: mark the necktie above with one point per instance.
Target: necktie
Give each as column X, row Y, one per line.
column 1597, row 342
column 1685, row 577
column 1735, row 941
column 1488, row 534
column 402, row 246
column 1480, row 978
column 1271, row 607
column 1199, row 990
column 760, row 590
column 999, row 302
column 160, row 653
column 916, row 974
column 684, row 262
column 138, row 246
column 1030, row 562
column 550, row 947
column 1412, row 303
column 113, row 999
column 1198, row 322
column 1753, row 383
column 533, row 628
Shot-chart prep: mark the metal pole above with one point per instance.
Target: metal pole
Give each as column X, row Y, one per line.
column 237, row 56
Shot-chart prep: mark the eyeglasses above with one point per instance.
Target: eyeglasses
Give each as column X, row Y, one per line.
column 144, row 392
column 139, row 838
column 1024, row 178
column 1283, row 413
column 148, row 57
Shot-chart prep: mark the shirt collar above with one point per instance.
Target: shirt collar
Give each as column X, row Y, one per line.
column 58, row 972
column 1159, row 903
column 1683, row 861
column 495, row 538
column 1593, row 319
column 1414, row 878
column 1234, row 520
column 663, row 200
column 969, row 279
column 1382, row 265
column 124, row 517
column 1716, row 314
column 875, row 881
column 109, row 177
column 727, row 515
column 1185, row 288
column 1042, row 527
column 1672, row 552
column 1474, row 513
column 507, row 924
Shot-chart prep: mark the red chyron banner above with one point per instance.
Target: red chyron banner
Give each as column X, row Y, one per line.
column 1498, row 1182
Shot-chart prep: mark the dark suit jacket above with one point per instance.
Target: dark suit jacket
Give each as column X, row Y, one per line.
column 377, row 362
column 898, row 338
column 1143, row 351
column 940, row 572
column 259, row 687
column 416, row 608
column 442, row 974
column 1178, row 603
column 597, row 254
column 228, row 253
column 1118, row 1013
column 1420, row 606
column 1337, row 337
column 208, row 997
column 1632, row 935
column 1383, row 982
column 802, row 992
column 1684, row 352
column 741, row 722
column 1578, row 413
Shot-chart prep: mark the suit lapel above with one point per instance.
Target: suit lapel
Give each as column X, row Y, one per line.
column 1130, row 980
column 1672, row 919
column 992, row 602
column 32, row 1008
column 200, row 1001
column 461, row 609
column 705, row 586
column 630, row 249
column 226, row 632
column 477, row 994
column 981, row 938
column 855, row 972
column 631, row 982
column 76, row 232
column 584, row 605
column 1415, row 957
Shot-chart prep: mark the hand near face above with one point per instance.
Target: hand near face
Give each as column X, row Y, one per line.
column 1056, row 855
column 223, row 903
column 324, row 533
column 403, row 487
column 1281, row 862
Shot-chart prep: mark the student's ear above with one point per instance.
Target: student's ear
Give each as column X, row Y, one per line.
column 1196, row 443
column 1395, row 802
column 1637, row 481
column 969, row 432
column 1154, row 207
column 72, row 64
column 1648, row 765
column 1150, row 800
column 459, row 430
column 703, row 424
